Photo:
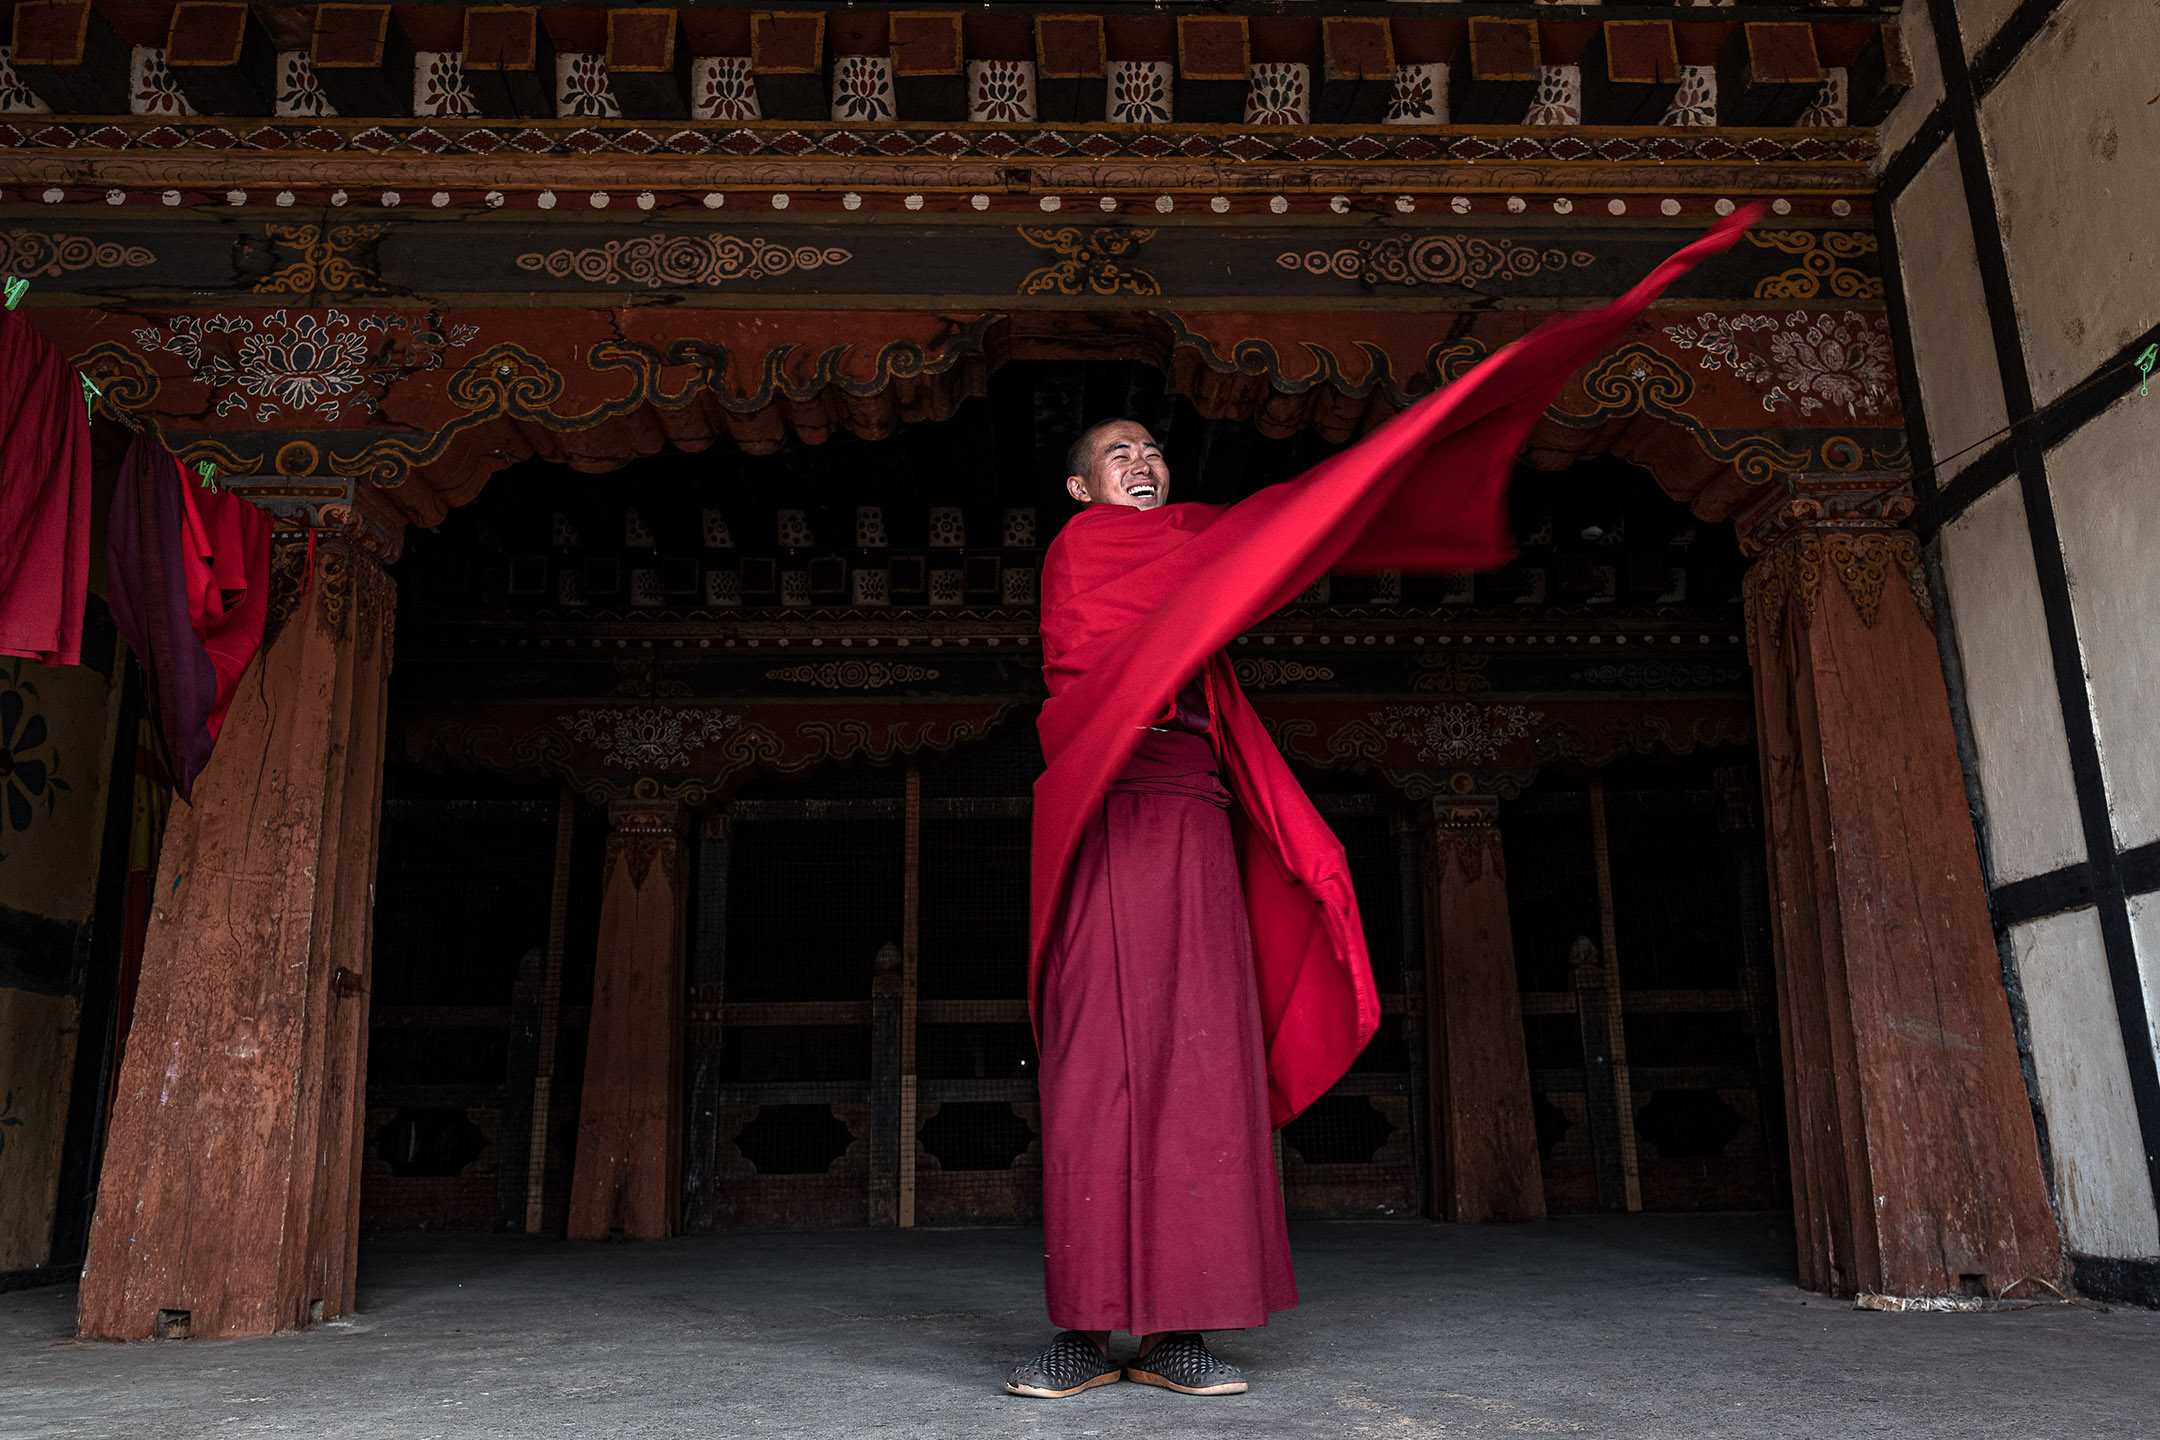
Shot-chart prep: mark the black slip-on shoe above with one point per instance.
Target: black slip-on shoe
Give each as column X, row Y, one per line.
column 1182, row 1363
column 1071, row 1364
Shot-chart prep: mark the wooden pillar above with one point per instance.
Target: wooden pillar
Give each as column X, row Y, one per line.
column 529, row 1075
column 229, row 1199
column 910, row 986
column 888, row 997
column 1604, row 1068
column 1740, row 818
column 1410, row 890
column 1915, row 1167
column 1599, row 1001
column 706, row 1032
column 1484, row 1150
column 628, row 1175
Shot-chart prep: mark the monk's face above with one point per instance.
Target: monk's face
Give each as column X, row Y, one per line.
column 1126, row 469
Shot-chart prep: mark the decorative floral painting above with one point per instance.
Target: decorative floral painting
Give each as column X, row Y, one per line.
column 1001, row 92
column 1419, row 97
column 721, row 88
column 582, row 91
column 299, row 94
column 862, row 90
column 439, row 85
column 151, row 87
column 1278, row 94
column 30, row 781
column 1139, row 92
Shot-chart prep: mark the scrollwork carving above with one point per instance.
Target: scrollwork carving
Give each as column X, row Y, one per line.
column 1788, row 579
column 1471, row 848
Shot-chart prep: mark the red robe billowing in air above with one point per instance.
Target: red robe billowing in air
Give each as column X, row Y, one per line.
column 1197, row 965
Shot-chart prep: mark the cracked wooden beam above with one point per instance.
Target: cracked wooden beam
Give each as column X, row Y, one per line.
column 787, row 63
column 1630, row 73
column 1214, row 60
column 221, row 58
column 929, row 62
column 1878, row 77
column 648, row 63
column 362, row 59
column 1356, row 75
column 1071, row 63
column 71, row 56
column 1499, row 78
column 508, row 61
column 1768, row 73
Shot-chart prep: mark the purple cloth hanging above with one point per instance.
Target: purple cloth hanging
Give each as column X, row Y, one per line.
column 187, row 574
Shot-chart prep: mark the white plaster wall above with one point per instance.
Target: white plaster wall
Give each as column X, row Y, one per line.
column 2101, row 1182
column 1953, row 346
column 2075, row 151
column 2106, row 482
column 1978, row 20
column 1927, row 87
column 2145, row 931
column 2024, row 761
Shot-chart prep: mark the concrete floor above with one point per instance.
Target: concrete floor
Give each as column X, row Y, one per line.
column 1650, row 1326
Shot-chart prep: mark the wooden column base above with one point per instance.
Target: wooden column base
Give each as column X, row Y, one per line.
column 1484, row 1152
column 628, row 1178
column 229, row 1199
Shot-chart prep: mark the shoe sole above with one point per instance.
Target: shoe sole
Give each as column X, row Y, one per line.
column 1235, row 1387
column 1039, row 1394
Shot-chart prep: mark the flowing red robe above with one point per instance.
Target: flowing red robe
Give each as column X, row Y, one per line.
column 44, row 497
column 1152, row 1214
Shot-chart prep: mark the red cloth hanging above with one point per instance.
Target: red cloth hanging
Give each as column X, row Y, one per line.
column 1137, row 602
column 44, row 497
column 188, row 576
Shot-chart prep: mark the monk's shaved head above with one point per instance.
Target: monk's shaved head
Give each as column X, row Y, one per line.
column 1117, row 462
column 1080, row 455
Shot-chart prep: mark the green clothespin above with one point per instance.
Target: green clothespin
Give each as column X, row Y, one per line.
column 90, row 394
column 15, row 289
column 208, row 470
column 2145, row 363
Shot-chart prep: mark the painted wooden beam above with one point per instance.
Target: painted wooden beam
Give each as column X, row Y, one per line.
column 1630, row 72
column 362, row 59
column 648, row 63
column 1357, row 71
column 1071, row 63
column 221, row 58
column 1214, row 56
column 508, row 61
column 71, row 56
column 1768, row 73
column 787, row 62
column 1877, row 77
column 1500, row 76
column 929, row 65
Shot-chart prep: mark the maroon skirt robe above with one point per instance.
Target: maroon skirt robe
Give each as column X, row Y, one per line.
column 1162, row 1209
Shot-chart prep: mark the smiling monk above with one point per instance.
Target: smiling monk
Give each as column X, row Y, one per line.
column 1197, row 966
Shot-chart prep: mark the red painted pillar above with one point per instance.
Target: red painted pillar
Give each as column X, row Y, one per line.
column 229, row 1198
column 1916, row 1169
column 628, row 1177
column 1484, row 1153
